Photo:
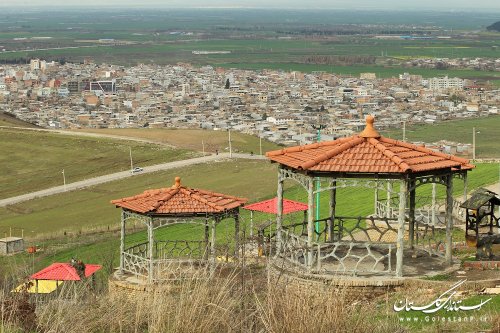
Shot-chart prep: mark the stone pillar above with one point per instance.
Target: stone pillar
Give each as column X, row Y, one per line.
column 212, row 241
column 207, row 243
column 433, row 205
column 388, row 203
column 403, row 188
column 333, row 204
column 375, row 199
column 449, row 219
column 310, row 221
column 237, row 235
column 279, row 213
column 251, row 223
column 122, row 242
column 465, row 187
column 150, row 249
column 411, row 224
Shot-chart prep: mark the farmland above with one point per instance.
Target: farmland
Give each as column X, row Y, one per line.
column 256, row 39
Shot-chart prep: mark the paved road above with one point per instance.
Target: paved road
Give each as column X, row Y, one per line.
column 121, row 175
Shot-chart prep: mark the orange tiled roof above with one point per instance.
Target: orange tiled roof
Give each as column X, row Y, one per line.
column 179, row 200
column 368, row 152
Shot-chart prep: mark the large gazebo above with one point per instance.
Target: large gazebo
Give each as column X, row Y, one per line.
column 159, row 256
column 366, row 245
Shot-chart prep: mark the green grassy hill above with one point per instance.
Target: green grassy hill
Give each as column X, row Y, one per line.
column 487, row 133
column 7, row 119
column 33, row 160
column 194, row 139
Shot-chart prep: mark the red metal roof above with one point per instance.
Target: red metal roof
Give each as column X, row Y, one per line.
column 64, row 272
column 179, row 200
column 368, row 152
column 271, row 206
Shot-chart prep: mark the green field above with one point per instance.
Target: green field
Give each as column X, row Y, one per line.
column 194, row 139
column 33, row 160
column 487, row 134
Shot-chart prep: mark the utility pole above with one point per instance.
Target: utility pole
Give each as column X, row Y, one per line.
column 473, row 143
column 404, row 131
column 203, row 145
column 318, row 127
column 230, row 147
column 131, row 163
column 64, row 180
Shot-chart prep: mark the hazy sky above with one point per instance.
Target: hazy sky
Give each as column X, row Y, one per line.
column 291, row 4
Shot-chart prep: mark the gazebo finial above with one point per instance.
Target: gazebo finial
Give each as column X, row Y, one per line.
column 369, row 131
column 177, row 182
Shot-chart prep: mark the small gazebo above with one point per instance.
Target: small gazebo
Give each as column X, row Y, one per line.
column 157, row 257
column 366, row 244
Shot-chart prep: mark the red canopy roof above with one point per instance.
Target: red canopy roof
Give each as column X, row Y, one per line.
column 271, row 206
column 63, row 272
column 368, row 152
column 179, row 200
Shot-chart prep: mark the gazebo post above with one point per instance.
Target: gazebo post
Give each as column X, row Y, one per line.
column 449, row 219
column 388, row 203
column 122, row 242
column 212, row 241
column 433, row 204
column 411, row 224
column 236, row 234
column 251, row 223
column 403, row 188
column 150, row 249
column 207, row 232
column 376, row 199
column 310, row 220
column 465, row 187
column 333, row 203
column 279, row 213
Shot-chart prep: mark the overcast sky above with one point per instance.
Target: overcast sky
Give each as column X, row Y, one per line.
column 291, row 4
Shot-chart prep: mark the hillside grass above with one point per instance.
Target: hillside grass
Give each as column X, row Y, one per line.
column 8, row 120
column 33, row 160
column 194, row 139
column 487, row 133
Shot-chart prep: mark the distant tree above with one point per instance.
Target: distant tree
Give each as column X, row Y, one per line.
column 228, row 84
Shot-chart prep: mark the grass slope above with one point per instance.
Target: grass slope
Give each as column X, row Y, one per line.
column 487, row 134
column 9, row 120
column 194, row 139
column 33, row 160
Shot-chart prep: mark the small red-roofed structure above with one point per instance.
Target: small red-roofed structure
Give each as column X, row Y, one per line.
column 163, row 207
column 271, row 206
column 64, row 272
column 366, row 245
column 60, row 272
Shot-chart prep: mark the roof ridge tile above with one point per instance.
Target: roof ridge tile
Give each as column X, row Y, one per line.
column 384, row 150
column 355, row 140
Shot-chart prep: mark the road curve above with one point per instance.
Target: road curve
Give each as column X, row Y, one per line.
column 121, row 175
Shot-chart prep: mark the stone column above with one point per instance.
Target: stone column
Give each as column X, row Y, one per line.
column 310, row 221
column 122, row 242
column 279, row 213
column 403, row 190
column 449, row 219
column 212, row 241
column 150, row 249
column 333, row 204
column 411, row 224
column 237, row 235
column 388, row 203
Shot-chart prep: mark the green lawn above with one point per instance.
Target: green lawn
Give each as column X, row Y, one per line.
column 32, row 160
column 194, row 139
column 487, row 134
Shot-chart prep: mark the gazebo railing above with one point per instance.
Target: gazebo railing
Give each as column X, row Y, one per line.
column 180, row 248
column 338, row 257
column 136, row 265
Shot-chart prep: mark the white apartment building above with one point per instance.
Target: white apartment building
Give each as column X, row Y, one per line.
column 444, row 83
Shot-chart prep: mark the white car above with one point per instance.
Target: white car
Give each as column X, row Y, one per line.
column 137, row 169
